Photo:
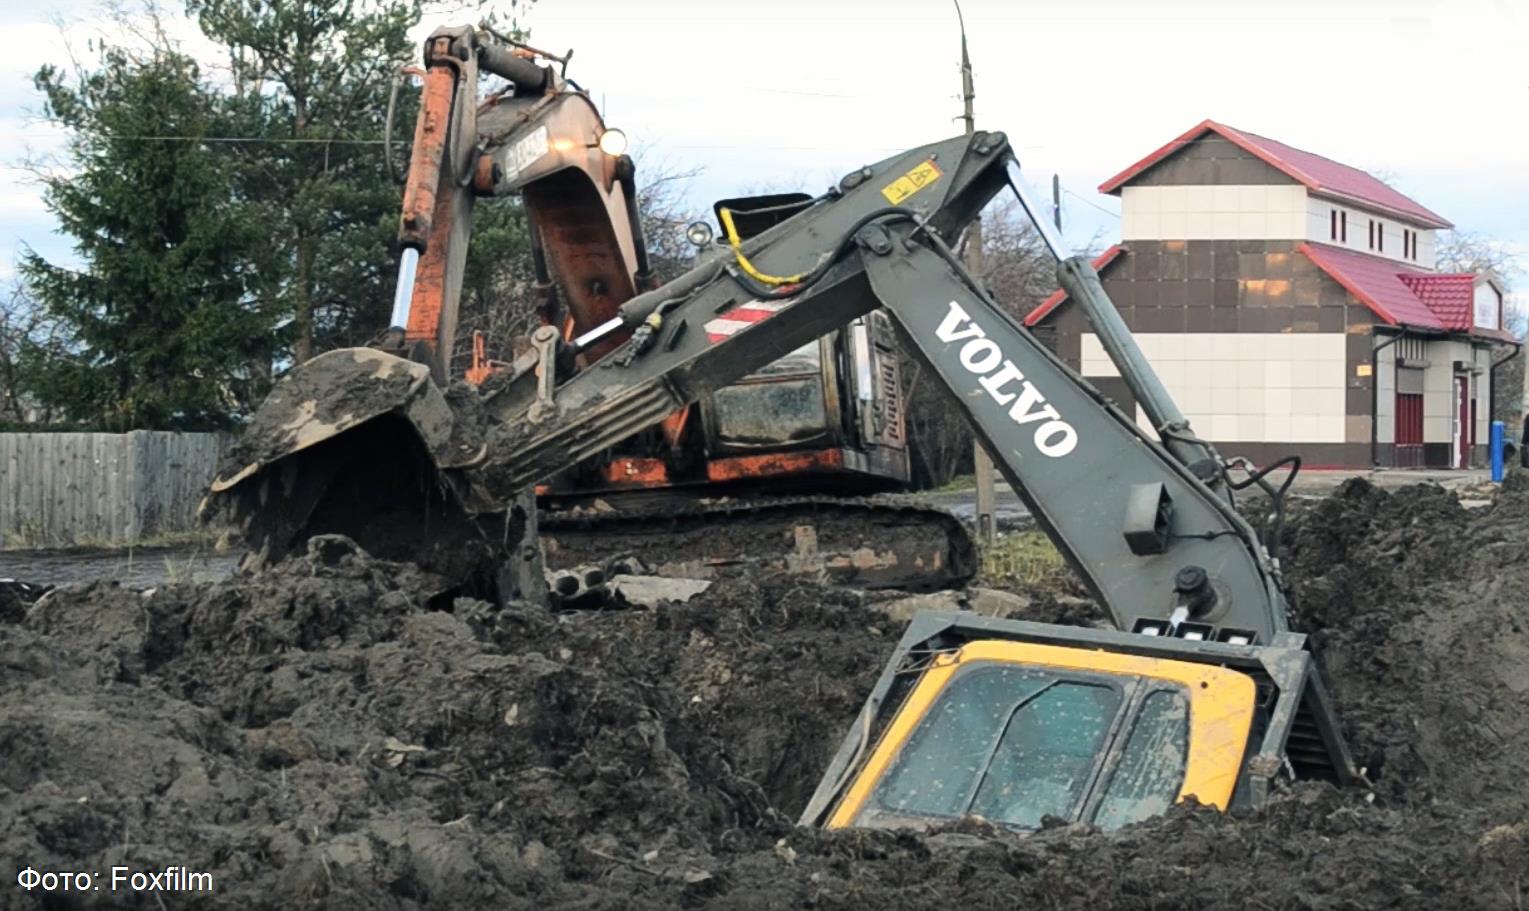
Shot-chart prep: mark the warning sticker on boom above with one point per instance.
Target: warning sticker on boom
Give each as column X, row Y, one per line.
column 922, row 175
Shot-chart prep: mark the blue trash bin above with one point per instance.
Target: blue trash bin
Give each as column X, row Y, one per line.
column 1499, row 438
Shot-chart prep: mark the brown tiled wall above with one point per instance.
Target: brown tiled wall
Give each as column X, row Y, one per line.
column 1313, row 455
column 1211, row 160
column 1235, row 286
column 1218, row 286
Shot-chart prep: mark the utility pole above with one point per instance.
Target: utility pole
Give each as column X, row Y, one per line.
column 987, row 524
column 1056, row 201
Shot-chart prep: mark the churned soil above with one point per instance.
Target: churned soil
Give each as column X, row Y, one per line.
column 324, row 734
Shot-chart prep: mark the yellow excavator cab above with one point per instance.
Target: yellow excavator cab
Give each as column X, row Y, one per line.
column 1015, row 722
column 1014, row 732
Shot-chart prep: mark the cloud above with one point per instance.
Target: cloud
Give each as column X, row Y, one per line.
column 795, row 90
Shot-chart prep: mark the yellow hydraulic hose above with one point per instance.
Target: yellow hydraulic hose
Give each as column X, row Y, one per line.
column 743, row 261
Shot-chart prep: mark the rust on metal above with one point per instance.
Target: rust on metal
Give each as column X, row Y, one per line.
column 430, row 131
column 775, row 464
column 429, row 299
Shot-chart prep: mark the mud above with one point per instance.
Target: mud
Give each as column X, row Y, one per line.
column 315, row 736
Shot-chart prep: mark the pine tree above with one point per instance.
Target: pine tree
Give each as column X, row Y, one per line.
column 168, row 322
column 311, row 78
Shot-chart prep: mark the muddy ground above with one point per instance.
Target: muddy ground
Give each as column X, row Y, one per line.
column 314, row 737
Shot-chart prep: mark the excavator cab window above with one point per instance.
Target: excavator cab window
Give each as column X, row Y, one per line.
column 1018, row 732
column 782, row 403
column 1151, row 768
column 1012, row 745
column 936, row 772
column 754, row 215
column 1046, row 755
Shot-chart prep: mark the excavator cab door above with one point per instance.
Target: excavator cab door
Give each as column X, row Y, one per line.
column 873, row 382
column 1015, row 722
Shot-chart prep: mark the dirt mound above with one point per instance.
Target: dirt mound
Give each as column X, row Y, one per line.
column 322, row 735
column 1419, row 610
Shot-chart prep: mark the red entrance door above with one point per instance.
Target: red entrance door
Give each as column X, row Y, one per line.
column 1409, row 430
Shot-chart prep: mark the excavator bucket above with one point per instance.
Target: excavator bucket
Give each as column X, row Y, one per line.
column 329, row 395
column 360, row 442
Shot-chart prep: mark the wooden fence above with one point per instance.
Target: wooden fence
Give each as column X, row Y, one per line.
column 101, row 489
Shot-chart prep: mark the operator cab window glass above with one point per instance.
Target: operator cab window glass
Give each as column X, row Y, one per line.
column 1047, row 754
column 937, row 769
column 1150, row 773
column 807, row 359
column 1011, row 745
column 781, row 403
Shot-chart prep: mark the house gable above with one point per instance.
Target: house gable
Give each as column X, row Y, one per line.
column 1211, row 159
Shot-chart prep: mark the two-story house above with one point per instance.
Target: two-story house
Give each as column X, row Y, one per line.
column 1291, row 305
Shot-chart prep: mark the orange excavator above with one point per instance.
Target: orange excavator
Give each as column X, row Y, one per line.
column 793, row 460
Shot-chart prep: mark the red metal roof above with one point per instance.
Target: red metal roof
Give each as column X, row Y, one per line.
column 1376, row 283
column 1059, row 295
column 1402, row 295
column 1398, row 294
column 1321, row 176
column 1451, row 296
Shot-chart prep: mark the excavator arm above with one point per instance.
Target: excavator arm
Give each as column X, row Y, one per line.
column 1143, row 524
column 538, row 138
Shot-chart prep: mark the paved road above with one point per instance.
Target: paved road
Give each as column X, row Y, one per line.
column 140, row 567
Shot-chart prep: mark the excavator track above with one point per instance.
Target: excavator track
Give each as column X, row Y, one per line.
column 880, row 541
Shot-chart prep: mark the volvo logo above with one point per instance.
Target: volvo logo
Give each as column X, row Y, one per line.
column 1006, row 383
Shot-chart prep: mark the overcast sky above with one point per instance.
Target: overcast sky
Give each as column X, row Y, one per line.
column 785, row 94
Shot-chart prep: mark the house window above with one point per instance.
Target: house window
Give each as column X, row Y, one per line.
column 1372, row 234
column 1380, row 237
column 1343, row 226
column 1334, row 227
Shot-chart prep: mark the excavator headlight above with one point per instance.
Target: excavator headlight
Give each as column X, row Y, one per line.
column 613, row 143
column 699, row 233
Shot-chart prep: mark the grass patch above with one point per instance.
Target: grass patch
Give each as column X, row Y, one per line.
column 1028, row 559
column 958, row 483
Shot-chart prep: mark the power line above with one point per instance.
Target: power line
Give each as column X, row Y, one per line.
column 257, row 140
column 1090, row 202
column 765, row 148
column 757, row 88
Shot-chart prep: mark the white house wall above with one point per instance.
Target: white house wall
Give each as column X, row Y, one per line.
column 1481, row 386
column 1255, row 212
column 1487, row 308
column 1319, row 228
column 1208, row 212
column 1439, row 399
column 1385, row 395
column 1269, row 387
